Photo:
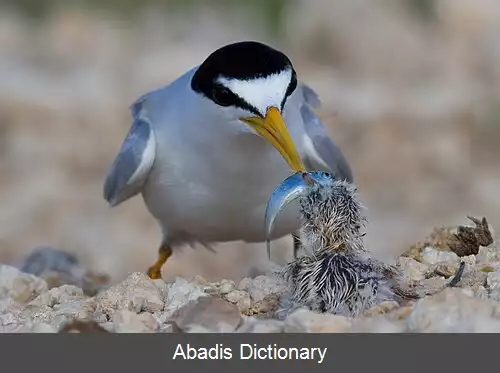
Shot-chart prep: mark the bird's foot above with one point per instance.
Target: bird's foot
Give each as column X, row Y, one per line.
column 154, row 272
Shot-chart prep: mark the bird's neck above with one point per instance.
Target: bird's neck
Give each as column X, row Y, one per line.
column 323, row 240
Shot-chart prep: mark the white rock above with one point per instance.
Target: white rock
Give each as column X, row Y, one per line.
column 261, row 286
column 78, row 309
column 433, row 256
column 480, row 292
column 487, row 255
column 470, row 260
column 236, row 295
column 136, row 293
column 493, row 280
column 240, row 298
column 125, row 321
column 19, row 286
column 411, row 269
column 62, row 294
column 453, row 311
column 9, row 319
column 211, row 313
column 226, row 286
column 180, row 293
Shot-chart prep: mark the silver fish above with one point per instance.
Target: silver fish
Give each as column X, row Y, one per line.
column 290, row 189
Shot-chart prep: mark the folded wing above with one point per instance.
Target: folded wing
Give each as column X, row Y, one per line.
column 129, row 171
column 322, row 154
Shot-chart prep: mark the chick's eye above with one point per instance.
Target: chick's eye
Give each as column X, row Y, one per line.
column 222, row 96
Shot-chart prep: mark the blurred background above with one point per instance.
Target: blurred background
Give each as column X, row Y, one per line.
column 410, row 91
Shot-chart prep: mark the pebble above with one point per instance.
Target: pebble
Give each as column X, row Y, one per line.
column 32, row 302
column 211, row 313
column 136, row 293
column 433, row 256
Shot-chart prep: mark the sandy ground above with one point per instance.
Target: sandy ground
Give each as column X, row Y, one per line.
column 412, row 103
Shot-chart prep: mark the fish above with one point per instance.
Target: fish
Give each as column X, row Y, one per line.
column 289, row 190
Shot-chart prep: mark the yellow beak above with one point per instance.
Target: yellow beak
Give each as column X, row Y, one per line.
column 273, row 129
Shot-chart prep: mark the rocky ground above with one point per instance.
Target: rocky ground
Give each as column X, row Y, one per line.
column 51, row 292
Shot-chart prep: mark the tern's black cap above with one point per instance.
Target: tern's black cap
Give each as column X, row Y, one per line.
column 245, row 60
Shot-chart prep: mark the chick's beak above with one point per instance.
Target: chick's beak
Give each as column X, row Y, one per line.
column 273, row 129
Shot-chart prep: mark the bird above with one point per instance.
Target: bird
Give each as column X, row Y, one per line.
column 206, row 150
column 335, row 272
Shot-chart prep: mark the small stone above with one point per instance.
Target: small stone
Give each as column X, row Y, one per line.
column 261, row 286
column 493, row 295
column 226, row 286
column 241, row 299
column 411, row 269
column 125, row 321
column 137, row 293
column 180, row 293
column 433, row 284
column 433, row 256
column 8, row 319
column 470, row 260
column 78, row 309
column 63, row 294
column 381, row 308
column 43, row 259
column 108, row 326
column 19, row 286
column 270, row 303
column 244, row 304
column 453, row 311
column 169, row 328
column 305, row 321
column 472, row 277
column 235, row 296
column 402, row 312
column 444, row 269
column 480, row 292
column 211, row 313
column 493, row 280
column 59, row 268
column 487, row 255
column 200, row 280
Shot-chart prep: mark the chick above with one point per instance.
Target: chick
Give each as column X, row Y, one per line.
column 334, row 272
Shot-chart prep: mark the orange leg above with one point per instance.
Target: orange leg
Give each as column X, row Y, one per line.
column 164, row 253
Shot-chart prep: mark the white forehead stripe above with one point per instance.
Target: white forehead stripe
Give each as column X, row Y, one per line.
column 262, row 92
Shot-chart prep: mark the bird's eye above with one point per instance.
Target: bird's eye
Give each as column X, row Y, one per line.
column 222, row 96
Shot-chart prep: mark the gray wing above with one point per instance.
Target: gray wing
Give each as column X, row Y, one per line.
column 321, row 152
column 129, row 171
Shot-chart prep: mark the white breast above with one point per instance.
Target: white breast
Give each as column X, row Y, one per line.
column 210, row 198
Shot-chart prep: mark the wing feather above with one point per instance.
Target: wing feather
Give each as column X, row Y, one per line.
column 130, row 170
column 321, row 152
